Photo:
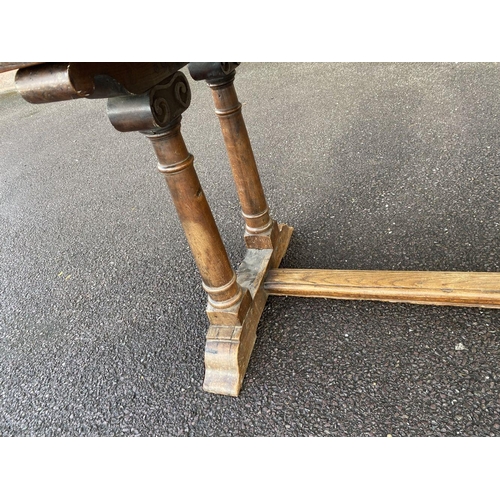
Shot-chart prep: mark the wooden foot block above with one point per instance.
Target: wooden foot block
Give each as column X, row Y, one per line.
column 228, row 348
column 266, row 240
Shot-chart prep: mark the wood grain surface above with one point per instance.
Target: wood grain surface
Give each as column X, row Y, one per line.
column 465, row 289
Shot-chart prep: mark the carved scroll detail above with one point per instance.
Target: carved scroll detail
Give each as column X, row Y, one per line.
column 161, row 111
column 170, row 100
column 153, row 110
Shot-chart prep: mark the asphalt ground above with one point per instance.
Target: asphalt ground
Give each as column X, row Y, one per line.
column 376, row 166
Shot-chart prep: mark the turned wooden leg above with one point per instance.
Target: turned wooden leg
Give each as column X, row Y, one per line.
column 260, row 229
column 228, row 303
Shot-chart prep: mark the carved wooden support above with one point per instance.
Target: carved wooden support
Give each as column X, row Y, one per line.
column 260, row 230
column 154, row 110
column 150, row 98
column 235, row 301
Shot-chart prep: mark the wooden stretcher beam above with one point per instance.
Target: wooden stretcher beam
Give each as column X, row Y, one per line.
column 463, row 289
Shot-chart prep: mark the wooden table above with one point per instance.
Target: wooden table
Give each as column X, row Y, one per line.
column 150, row 98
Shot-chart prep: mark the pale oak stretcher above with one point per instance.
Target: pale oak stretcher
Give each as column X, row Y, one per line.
column 150, row 98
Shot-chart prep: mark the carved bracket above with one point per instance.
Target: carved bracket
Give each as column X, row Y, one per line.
column 153, row 110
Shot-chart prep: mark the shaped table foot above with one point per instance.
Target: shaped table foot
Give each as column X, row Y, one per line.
column 228, row 348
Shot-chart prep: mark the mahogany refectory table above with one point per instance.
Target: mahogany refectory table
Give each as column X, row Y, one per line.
column 150, row 98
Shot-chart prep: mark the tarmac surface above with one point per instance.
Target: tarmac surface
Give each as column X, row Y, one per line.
column 376, row 166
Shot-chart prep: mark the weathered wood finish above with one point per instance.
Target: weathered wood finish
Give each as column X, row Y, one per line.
column 228, row 348
column 461, row 289
column 260, row 229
